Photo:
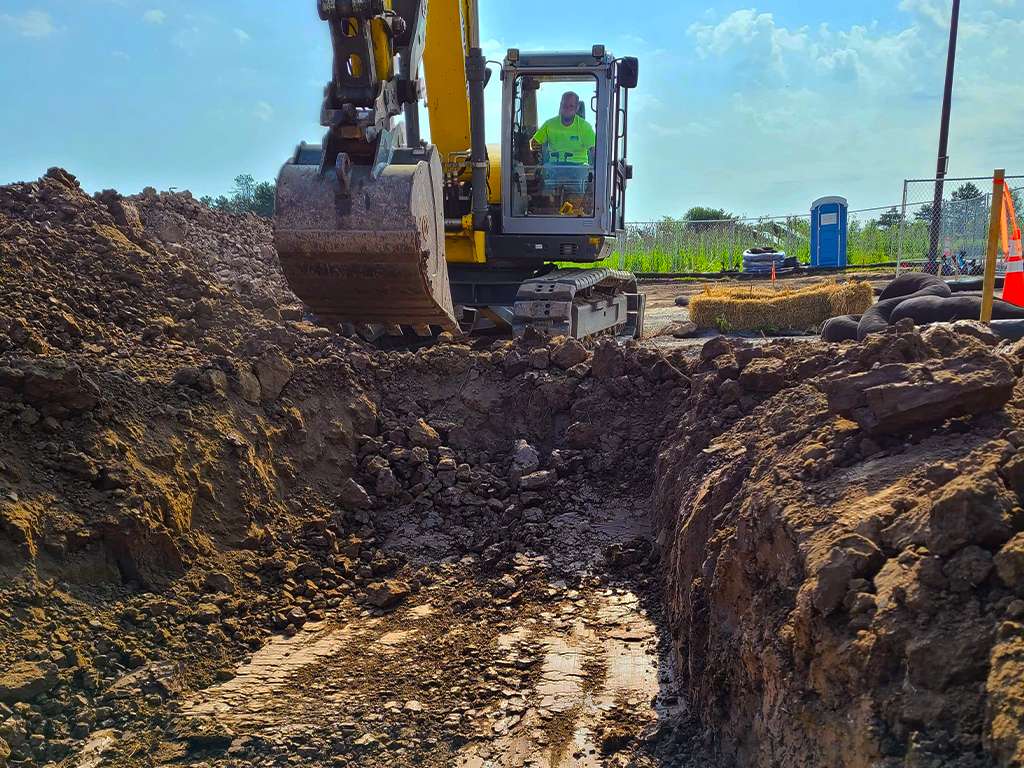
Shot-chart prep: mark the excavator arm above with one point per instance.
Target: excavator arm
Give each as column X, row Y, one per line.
column 359, row 223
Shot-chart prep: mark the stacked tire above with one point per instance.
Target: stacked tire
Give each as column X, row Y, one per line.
column 759, row 261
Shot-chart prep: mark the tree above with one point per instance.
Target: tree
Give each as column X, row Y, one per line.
column 966, row 191
column 703, row 213
column 247, row 196
column 924, row 213
column 890, row 218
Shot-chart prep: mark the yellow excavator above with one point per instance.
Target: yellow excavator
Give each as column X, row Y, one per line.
column 387, row 234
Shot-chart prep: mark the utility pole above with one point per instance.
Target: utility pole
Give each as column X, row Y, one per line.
column 943, row 163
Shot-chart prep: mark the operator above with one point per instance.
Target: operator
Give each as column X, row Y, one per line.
column 569, row 138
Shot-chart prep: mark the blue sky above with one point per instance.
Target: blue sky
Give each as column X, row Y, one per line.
column 759, row 109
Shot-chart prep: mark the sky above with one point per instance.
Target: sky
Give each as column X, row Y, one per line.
column 758, row 109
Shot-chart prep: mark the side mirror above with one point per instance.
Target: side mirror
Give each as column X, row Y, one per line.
column 627, row 71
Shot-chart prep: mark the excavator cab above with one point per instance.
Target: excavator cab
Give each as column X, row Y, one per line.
column 564, row 180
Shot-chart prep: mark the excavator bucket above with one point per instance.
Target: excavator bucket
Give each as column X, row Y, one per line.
column 371, row 253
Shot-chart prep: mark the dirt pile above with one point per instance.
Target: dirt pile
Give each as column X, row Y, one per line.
column 838, row 557
column 189, row 471
column 238, row 249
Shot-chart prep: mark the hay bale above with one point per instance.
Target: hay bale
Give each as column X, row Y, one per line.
column 764, row 308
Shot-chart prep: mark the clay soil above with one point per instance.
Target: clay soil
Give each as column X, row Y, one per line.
column 232, row 537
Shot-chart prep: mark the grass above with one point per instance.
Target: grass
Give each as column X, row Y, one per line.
column 711, row 252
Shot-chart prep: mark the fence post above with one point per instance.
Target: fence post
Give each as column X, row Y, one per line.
column 903, row 225
column 993, row 245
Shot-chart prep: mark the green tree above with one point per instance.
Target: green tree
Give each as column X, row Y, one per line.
column 890, row 218
column 966, row 191
column 247, row 196
column 703, row 213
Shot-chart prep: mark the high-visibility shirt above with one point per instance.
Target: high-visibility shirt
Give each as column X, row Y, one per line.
column 567, row 143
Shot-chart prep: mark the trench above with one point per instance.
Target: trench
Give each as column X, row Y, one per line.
column 571, row 668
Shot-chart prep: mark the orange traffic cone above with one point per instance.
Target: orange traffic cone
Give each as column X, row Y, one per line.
column 1013, row 284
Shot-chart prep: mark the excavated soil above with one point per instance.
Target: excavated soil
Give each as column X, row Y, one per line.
column 230, row 537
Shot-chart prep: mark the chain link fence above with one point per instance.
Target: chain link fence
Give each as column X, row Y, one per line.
column 905, row 236
column 950, row 238
column 674, row 245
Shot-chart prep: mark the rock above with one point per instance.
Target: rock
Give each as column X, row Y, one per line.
column 387, row 484
column 207, row 613
column 58, row 384
column 949, row 655
column 582, row 434
column 729, row 391
column 714, row 347
column 1013, row 473
column 26, row 680
column 609, row 361
column 387, row 594
column 764, row 374
column 1009, row 564
column 968, row 568
column 187, row 376
column 682, row 301
column 894, row 398
column 352, row 494
column 5, row 750
column 969, row 510
column 170, row 228
column 296, row 616
column 248, row 386
column 214, row 380
column 539, row 358
column 852, row 556
column 274, row 371
column 568, row 352
column 525, row 458
column 219, row 582
column 682, row 329
column 535, row 481
column 423, row 435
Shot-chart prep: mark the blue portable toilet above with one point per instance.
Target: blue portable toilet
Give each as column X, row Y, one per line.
column 829, row 219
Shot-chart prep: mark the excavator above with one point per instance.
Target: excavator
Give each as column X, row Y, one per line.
column 388, row 235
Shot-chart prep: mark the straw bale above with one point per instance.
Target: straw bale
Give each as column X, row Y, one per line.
column 764, row 308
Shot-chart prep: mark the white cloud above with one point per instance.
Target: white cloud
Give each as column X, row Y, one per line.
column 765, row 117
column 755, row 33
column 31, row 24
column 154, row 16
column 242, row 35
column 263, row 111
column 935, row 12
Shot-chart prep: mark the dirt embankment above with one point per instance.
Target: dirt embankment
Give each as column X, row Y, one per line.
column 195, row 483
column 189, row 470
column 844, row 557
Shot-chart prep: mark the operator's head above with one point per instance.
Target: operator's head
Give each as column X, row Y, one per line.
column 570, row 103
